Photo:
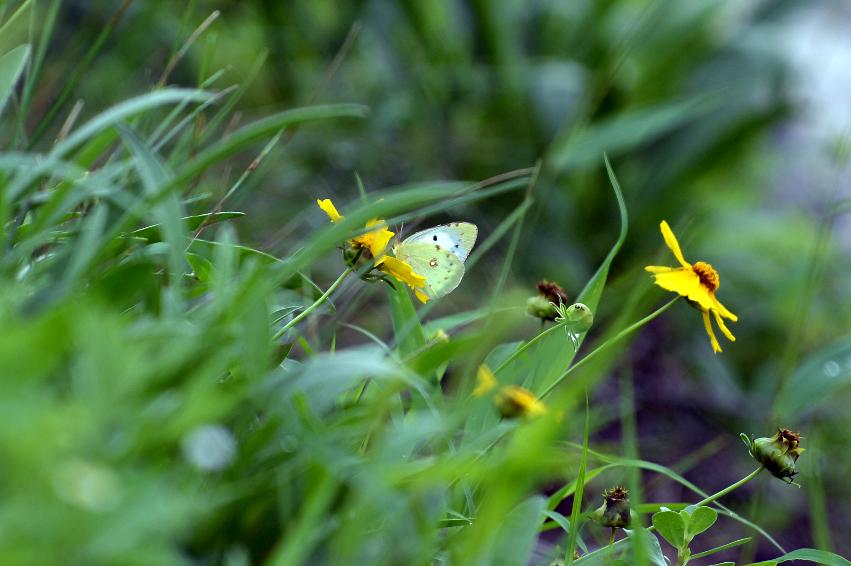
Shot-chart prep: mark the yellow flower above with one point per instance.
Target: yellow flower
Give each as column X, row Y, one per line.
column 486, row 381
column 697, row 283
column 375, row 242
column 510, row 400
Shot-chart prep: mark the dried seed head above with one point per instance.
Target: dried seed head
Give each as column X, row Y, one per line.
column 615, row 511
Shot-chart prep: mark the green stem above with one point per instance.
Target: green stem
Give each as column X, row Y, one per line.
column 622, row 334
column 312, row 307
column 730, row 488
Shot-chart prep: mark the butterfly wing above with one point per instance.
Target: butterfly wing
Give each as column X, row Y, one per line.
column 441, row 268
column 457, row 237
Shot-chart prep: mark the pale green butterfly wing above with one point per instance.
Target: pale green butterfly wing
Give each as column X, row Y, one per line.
column 457, row 237
column 441, row 268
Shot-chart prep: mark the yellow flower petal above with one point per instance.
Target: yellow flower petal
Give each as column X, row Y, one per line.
column 486, row 381
column 377, row 240
column 328, row 208
column 673, row 245
column 707, row 324
column 686, row 283
column 722, row 310
column 661, row 268
column 404, row 273
column 723, row 327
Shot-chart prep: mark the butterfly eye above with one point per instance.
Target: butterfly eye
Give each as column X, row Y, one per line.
column 434, row 238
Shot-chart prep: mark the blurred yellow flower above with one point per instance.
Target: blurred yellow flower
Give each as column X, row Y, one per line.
column 511, row 400
column 375, row 242
column 697, row 283
column 486, row 381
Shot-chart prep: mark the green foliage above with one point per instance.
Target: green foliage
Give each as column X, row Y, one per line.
column 180, row 384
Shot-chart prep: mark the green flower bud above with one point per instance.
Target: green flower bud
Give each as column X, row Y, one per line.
column 545, row 304
column 778, row 453
column 540, row 307
column 615, row 511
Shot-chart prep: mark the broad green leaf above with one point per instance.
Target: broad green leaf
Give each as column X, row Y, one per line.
column 519, row 532
column 406, row 324
column 14, row 29
column 670, row 525
column 12, row 64
column 605, row 555
column 698, row 519
column 564, row 523
column 556, row 352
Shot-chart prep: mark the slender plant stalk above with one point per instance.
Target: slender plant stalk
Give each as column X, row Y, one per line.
column 312, row 307
column 623, row 333
column 731, row 487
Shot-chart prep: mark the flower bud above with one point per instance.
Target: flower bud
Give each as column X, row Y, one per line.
column 615, row 511
column 778, row 453
column 439, row 335
column 359, row 259
column 540, row 307
column 545, row 304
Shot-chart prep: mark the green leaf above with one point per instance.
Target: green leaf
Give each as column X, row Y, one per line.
column 264, row 128
column 811, row 555
column 519, row 532
column 629, row 129
column 556, row 353
column 729, row 545
column 14, row 29
column 604, row 556
column 698, row 519
column 168, row 211
column 406, row 324
column 819, row 378
column 564, row 523
column 580, row 487
column 671, row 526
column 193, row 222
column 12, row 64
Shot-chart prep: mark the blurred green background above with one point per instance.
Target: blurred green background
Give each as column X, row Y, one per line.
column 728, row 119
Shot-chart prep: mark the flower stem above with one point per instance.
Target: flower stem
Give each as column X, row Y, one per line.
column 623, row 333
column 312, row 307
column 730, row 488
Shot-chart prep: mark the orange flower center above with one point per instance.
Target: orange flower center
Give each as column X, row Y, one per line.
column 708, row 276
